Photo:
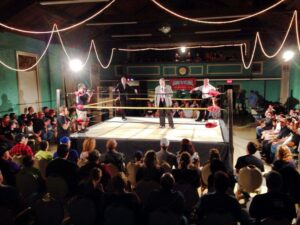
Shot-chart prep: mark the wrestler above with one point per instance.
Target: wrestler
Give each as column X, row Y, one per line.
column 206, row 98
column 83, row 97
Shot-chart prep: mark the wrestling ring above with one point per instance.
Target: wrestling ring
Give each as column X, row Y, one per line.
column 143, row 133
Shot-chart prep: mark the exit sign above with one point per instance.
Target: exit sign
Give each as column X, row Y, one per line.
column 229, row 81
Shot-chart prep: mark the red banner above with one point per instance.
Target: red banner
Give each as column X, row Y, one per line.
column 183, row 83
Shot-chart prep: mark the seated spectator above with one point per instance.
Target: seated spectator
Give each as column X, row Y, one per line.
column 10, row 197
column 28, row 130
column 176, row 112
column 89, row 145
column 38, row 124
column 284, row 132
column 30, row 113
column 166, row 198
column 272, row 203
column 249, row 159
column 44, row 152
column 292, row 140
column 4, row 126
column 214, row 154
column 133, row 166
column 267, row 124
column 7, row 166
column 21, row 148
column 185, row 175
column 112, row 156
column 61, row 167
column 150, row 112
column 47, row 132
column 150, row 171
column 291, row 183
column 187, row 113
column 284, row 159
column 164, row 155
column 73, row 154
column 219, row 202
column 93, row 190
column 122, row 199
column 186, row 146
column 94, row 162
column 29, row 168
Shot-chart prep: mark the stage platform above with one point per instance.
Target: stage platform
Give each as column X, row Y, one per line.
column 141, row 133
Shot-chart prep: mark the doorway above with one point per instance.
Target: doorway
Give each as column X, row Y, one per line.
column 28, row 83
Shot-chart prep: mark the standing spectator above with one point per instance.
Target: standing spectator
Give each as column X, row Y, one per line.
column 63, row 123
column 164, row 155
column 252, row 99
column 21, row 148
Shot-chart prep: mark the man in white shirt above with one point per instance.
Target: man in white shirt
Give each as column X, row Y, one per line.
column 163, row 98
column 206, row 98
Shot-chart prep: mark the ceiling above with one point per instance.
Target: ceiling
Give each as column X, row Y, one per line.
column 147, row 19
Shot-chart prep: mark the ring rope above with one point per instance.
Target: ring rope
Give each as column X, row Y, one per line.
column 140, row 107
column 173, row 99
column 107, row 101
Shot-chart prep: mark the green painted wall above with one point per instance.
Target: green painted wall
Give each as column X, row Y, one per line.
column 10, row 44
column 295, row 78
column 50, row 70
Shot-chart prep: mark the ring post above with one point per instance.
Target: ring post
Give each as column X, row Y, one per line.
column 230, row 122
column 58, row 91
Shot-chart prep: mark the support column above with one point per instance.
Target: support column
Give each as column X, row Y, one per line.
column 285, row 82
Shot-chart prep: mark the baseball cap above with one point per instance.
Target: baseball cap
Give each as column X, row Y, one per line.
column 164, row 142
column 64, row 140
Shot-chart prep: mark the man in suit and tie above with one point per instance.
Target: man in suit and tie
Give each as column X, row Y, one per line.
column 163, row 98
column 124, row 91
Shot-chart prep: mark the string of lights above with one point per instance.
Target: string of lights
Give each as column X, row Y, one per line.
column 62, row 29
column 242, row 46
column 283, row 42
column 217, row 22
column 39, row 59
column 177, row 48
column 97, row 56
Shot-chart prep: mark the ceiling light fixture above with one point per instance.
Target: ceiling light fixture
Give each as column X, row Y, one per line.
column 111, row 23
column 217, row 31
column 71, row 2
column 130, row 35
column 288, row 55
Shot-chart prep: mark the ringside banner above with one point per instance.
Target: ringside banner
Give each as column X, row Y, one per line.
column 183, row 83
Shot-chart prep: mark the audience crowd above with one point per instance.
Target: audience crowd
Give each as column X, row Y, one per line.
column 169, row 185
